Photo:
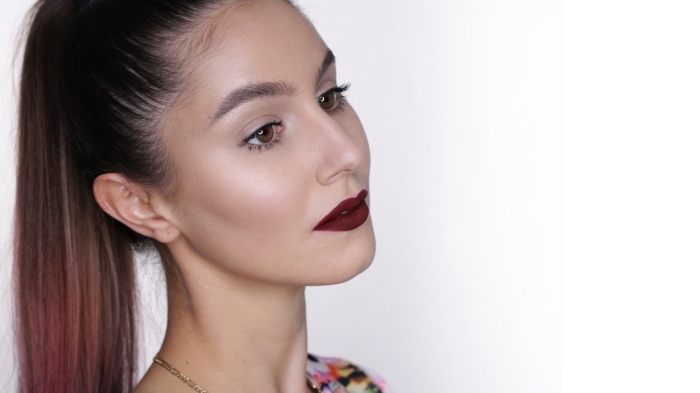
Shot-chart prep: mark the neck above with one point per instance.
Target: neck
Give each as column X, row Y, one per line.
column 229, row 331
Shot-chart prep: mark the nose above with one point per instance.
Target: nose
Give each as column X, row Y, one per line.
column 340, row 149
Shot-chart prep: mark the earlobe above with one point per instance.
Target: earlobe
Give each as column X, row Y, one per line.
column 132, row 205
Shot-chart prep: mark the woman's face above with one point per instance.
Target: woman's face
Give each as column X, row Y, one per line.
column 265, row 148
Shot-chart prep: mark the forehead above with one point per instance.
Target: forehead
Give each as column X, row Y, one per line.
column 254, row 41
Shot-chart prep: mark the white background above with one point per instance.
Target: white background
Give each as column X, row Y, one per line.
column 631, row 196
column 462, row 103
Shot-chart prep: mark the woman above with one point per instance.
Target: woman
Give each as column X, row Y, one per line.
column 215, row 132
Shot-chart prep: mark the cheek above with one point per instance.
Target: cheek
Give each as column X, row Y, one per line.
column 247, row 197
column 242, row 213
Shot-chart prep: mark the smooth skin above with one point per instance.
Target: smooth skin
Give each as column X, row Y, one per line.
column 240, row 226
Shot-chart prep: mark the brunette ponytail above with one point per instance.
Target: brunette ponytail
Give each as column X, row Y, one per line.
column 74, row 272
column 95, row 80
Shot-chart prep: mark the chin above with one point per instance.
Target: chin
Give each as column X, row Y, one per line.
column 353, row 261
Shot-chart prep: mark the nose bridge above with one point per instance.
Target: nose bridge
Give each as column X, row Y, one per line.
column 339, row 150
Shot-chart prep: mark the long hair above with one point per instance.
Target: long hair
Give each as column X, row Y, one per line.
column 96, row 79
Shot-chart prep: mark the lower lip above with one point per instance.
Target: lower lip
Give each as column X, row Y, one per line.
column 348, row 221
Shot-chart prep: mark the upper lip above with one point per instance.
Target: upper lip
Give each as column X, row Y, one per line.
column 345, row 205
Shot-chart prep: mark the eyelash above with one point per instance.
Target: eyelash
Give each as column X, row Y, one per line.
column 261, row 146
column 342, row 100
column 339, row 107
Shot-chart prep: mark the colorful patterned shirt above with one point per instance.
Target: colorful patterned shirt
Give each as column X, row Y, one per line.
column 327, row 373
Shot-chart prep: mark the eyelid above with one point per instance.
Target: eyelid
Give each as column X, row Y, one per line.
column 265, row 145
column 269, row 123
column 341, row 100
column 336, row 89
column 258, row 121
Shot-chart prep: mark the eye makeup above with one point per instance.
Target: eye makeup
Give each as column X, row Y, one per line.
column 332, row 101
column 267, row 136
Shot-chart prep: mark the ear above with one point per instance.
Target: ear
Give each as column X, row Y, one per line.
column 133, row 206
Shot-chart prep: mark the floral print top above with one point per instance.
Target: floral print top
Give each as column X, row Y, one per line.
column 331, row 373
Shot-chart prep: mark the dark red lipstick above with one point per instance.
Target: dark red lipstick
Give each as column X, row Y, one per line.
column 348, row 215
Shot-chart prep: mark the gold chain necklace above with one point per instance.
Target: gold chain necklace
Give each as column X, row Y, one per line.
column 200, row 389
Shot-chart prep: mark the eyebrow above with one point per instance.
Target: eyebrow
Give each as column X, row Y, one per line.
column 327, row 63
column 247, row 93
column 254, row 91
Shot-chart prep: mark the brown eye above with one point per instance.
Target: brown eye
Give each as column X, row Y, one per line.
column 327, row 100
column 265, row 134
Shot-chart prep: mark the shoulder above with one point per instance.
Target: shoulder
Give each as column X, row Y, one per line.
column 324, row 370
